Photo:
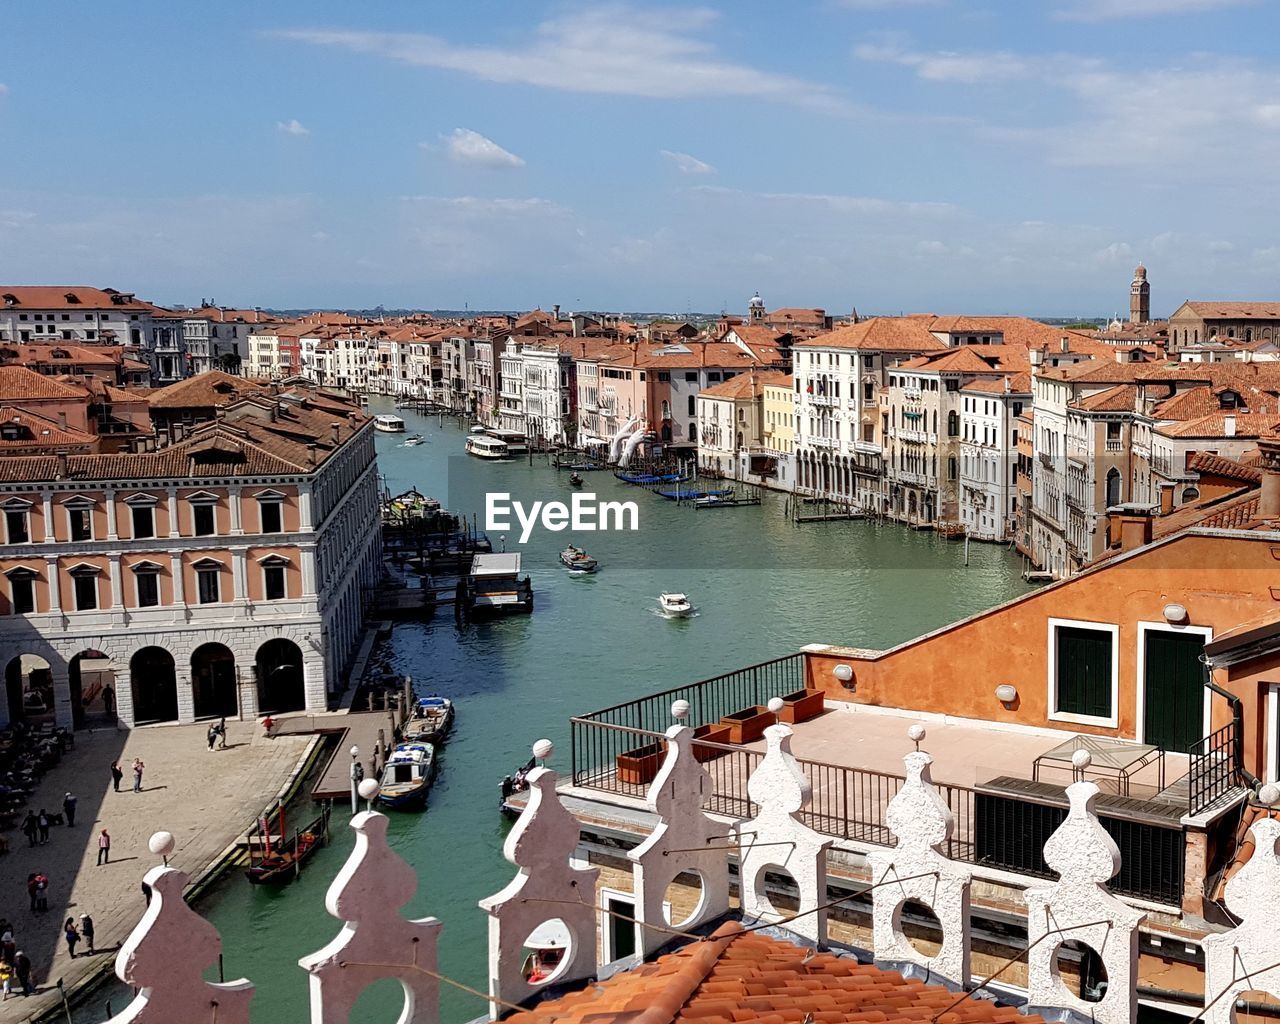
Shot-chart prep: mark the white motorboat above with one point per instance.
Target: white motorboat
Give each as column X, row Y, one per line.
column 413, row 440
column 484, row 447
column 407, row 775
column 576, row 560
column 675, row 605
column 388, row 424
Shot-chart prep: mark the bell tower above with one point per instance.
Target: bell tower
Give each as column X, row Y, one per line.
column 755, row 309
column 1140, row 297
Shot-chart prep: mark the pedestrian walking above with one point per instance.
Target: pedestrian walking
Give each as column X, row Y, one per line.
column 30, row 826
column 137, row 774
column 117, row 773
column 6, row 981
column 42, row 892
column 146, row 893
column 104, row 848
column 31, row 889
column 22, row 968
column 213, row 735
column 42, row 822
column 72, row 935
column 222, row 734
column 86, row 930
column 69, row 809
column 109, row 701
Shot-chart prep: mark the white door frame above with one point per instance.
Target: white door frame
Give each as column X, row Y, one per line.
column 1272, row 713
column 1140, row 724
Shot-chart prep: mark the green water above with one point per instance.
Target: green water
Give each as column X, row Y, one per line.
column 763, row 588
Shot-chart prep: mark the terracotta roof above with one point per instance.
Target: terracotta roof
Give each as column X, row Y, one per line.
column 1205, row 399
column 1019, row 384
column 17, row 382
column 1219, row 465
column 740, row 977
column 82, row 355
column 203, row 391
column 796, row 313
column 966, row 359
column 887, row 334
column 1248, row 424
column 744, row 385
column 1235, row 310
column 68, row 297
column 39, row 432
column 1121, row 398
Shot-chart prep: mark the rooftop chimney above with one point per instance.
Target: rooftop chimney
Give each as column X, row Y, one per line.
column 1228, row 426
column 337, row 435
column 63, row 466
column 1037, row 356
column 1064, row 344
column 1129, row 526
column 1269, row 500
column 62, row 420
column 311, row 453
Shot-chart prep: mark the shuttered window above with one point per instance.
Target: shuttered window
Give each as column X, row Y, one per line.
column 1084, row 672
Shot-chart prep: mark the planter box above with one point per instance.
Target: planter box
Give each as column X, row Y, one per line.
column 717, row 733
column 747, row 725
column 802, row 706
column 639, row 766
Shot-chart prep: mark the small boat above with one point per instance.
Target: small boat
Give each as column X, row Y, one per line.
column 576, row 560
column 477, row 429
column 547, row 947
column 388, row 424
column 408, row 775
column 575, row 480
column 413, row 440
column 432, row 719
column 284, row 861
column 675, row 605
column 484, row 447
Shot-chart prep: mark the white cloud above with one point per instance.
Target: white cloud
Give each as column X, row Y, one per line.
column 687, row 164
column 610, row 49
column 948, row 65
column 464, row 146
column 292, row 127
column 1106, row 10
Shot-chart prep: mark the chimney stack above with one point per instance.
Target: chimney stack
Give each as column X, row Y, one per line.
column 1129, row 526
column 337, row 435
column 1229, row 426
column 1269, row 500
column 1065, row 344
column 1036, row 355
column 63, row 466
column 62, row 420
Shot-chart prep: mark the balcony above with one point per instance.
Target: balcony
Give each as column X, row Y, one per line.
column 821, row 442
column 823, row 400
column 1115, row 446
column 1002, row 809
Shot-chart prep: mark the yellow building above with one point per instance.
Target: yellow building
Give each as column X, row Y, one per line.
column 779, row 415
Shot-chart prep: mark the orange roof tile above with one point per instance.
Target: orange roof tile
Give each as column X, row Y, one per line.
column 737, row 977
column 1208, row 464
column 887, row 334
column 1121, row 398
column 744, row 385
column 203, row 391
column 17, row 383
column 68, row 297
column 1247, row 424
column 1236, row 310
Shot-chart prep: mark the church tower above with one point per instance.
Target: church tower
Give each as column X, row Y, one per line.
column 1140, row 297
column 755, row 309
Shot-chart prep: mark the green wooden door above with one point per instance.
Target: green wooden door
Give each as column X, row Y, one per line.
column 1173, row 690
column 1084, row 672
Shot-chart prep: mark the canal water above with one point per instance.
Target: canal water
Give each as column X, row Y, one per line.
column 763, row 587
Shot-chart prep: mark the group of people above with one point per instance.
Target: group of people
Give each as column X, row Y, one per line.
column 36, row 826
column 218, row 731
column 15, row 965
column 117, row 775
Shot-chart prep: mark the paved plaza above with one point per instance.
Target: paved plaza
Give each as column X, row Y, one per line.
column 205, row 799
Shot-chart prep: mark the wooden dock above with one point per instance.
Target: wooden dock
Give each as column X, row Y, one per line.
column 372, row 731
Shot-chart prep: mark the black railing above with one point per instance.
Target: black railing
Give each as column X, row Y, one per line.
column 709, row 699
column 851, row 803
column 1213, row 772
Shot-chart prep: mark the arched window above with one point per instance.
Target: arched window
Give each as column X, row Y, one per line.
column 953, row 424
column 693, row 405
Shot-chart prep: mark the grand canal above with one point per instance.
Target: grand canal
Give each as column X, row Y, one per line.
column 763, row 587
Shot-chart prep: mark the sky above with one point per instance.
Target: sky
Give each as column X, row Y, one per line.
column 940, row 156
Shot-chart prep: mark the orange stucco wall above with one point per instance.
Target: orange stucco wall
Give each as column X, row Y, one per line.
column 1222, row 582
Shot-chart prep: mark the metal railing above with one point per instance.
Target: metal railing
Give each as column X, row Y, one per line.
column 1212, row 772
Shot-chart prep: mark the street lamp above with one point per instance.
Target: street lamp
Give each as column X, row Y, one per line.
column 357, row 774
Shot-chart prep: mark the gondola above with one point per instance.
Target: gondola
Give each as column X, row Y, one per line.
column 575, row 480
column 284, row 862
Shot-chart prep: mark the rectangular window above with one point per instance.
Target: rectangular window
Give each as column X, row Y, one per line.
column 1083, row 671
column 23, row 595
column 16, row 525
column 144, row 521
column 207, row 586
column 148, row 589
column 81, row 523
column 271, row 517
column 274, row 579
column 203, row 514
column 86, row 585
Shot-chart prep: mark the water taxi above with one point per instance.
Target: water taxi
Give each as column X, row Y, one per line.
column 388, row 424
column 494, row 586
column 675, row 605
column 576, row 560
column 408, row 775
column 413, row 440
column 432, row 719
column 482, row 446
column 515, row 440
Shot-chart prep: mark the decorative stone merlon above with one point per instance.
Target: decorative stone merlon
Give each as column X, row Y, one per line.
column 1079, row 907
column 917, row 869
column 777, row 838
column 546, row 889
column 165, row 957
column 1242, row 960
column 681, row 842
column 375, row 941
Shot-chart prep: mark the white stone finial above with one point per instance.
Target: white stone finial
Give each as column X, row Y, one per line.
column 546, row 888
column 681, row 842
column 375, row 941
column 916, row 734
column 165, row 957
column 777, row 838
column 680, row 710
column 1234, row 961
column 920, row 819
column 369, row 789
column 1085, row 857
column 542, row 749
column 1081, row 760
column 161, row 843
column 775, row 705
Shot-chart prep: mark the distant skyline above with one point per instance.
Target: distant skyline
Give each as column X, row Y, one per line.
column 923, row 155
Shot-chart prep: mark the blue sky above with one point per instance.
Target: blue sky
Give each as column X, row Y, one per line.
column 919, row 155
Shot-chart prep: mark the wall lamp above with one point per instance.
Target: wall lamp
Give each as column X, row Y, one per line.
column 1006, row 694
column 844, row 673
column 1174, row 613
